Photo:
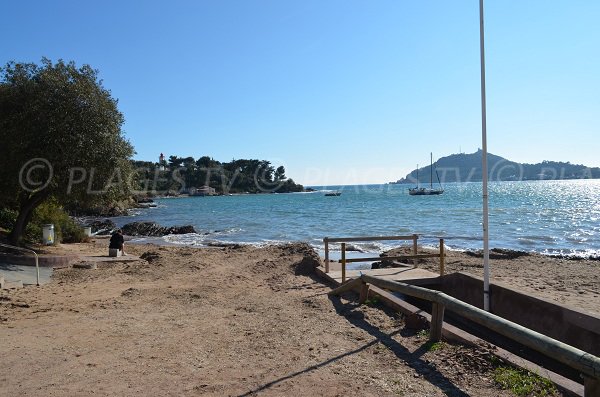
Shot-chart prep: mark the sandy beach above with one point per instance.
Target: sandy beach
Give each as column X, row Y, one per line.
column 238, row 322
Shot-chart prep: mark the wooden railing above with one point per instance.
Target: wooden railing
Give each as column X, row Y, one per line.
column 415, row 256
column 587, row 364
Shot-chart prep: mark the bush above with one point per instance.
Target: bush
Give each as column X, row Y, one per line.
column 7, row 218
column 66, row 230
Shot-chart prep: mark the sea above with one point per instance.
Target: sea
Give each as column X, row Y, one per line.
column 549, row 217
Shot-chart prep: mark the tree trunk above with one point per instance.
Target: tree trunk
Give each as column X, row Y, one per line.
column 25, row 214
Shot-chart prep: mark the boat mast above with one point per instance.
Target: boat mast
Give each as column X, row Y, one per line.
column 430, row 170
column 417, row 175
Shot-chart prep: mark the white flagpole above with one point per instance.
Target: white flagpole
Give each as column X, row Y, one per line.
column 484, row 169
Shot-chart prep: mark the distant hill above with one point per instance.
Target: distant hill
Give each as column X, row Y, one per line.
column 467, row 168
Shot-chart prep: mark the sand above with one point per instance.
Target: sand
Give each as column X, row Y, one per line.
column 222, row 322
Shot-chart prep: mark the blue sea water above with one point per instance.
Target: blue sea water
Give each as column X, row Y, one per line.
column 553, row 217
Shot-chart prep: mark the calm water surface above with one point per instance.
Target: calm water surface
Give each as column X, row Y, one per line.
column 543, row 216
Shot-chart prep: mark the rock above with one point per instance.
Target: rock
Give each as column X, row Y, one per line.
column 498, row 253
column 116, row 211
column 154, row 229
column 140, row 200
column 102, row 227
column 403, row 250
column 181, row 229
column 150, row 256
column 351, row 247
column 85, row 265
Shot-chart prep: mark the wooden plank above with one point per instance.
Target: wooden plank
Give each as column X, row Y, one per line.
column 399, row 257
column 349, row 286
column 407, row 289
column 416, row 276
column 367, row 238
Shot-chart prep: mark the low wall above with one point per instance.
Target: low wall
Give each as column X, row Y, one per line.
column 565, row 324
column 43, row 260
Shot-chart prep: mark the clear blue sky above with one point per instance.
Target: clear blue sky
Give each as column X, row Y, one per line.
column 336, row 91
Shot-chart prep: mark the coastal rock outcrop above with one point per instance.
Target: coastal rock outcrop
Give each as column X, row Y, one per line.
column 152, row 229
column 498, row 253
column 102, row 227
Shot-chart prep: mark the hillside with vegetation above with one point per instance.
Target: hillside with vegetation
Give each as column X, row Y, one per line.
column 181, row 174
column 465, row 167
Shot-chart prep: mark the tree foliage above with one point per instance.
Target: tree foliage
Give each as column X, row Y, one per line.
column 236, row 176
column 61, row 137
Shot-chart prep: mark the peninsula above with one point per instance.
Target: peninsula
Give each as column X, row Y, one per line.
column 465, row 167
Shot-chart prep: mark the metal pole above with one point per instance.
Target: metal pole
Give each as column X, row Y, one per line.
column 37, row 270
column 326, row 241
column 484, row 170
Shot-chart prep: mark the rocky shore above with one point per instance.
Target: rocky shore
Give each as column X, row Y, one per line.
column 104, row 227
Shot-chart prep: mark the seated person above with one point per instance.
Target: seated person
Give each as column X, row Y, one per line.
column 117, row 241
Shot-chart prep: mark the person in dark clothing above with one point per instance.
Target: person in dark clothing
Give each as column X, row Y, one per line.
column 117, row 241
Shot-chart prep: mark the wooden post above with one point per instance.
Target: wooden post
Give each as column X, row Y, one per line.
column 326, row 241
column 591, row 387
column 415, row 249
column 364, row 293
column 437, row 320
column 343, row 262
column 442, row 254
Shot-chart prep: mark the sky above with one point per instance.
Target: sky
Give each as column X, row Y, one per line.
column 338, row 92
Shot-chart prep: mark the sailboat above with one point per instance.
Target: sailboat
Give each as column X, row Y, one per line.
column 421, row 191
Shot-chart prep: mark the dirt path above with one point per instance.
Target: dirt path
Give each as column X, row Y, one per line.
column 218, row 322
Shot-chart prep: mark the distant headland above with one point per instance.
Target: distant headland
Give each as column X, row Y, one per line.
column 207, row 177
column 465, row 167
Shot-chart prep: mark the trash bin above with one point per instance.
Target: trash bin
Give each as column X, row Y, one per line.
column 48, row 234
column 87, row 231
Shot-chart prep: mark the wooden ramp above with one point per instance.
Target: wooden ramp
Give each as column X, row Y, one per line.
column 406, row 274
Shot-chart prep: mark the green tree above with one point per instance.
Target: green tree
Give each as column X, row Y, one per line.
column 61, row 138
column 280, row 173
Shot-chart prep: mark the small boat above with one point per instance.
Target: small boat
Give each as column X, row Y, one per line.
column 422, row 191
column 331, row 194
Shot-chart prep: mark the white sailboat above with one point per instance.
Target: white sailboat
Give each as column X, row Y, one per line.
column 422, row 191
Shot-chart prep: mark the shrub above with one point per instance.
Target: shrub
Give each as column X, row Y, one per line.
column 66, row 230
column 7, row 218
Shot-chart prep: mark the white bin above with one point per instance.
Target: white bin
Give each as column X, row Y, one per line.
column 48, row 234
column 87, row 231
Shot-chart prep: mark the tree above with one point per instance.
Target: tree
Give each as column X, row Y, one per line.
column 280, row 174
column 61, row 137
